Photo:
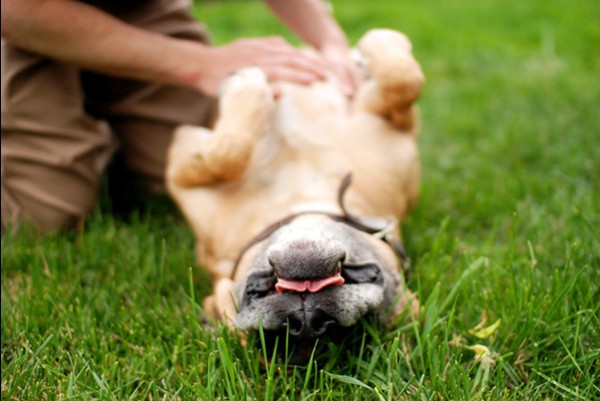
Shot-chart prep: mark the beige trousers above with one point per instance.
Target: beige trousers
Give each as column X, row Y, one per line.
column 61, row 125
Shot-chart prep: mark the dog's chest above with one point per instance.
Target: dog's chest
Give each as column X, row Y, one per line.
column 314, row 139
column 310, row 118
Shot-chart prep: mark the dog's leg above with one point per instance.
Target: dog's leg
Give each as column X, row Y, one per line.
column 220, row 304
column 407, row 301
column 245, row 107
column 395, row 77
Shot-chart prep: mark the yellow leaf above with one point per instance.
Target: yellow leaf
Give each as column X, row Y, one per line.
column 480, row 350
column 483, row 355
column 487, row 331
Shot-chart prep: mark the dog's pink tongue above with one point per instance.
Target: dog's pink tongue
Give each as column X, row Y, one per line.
column 308, row 285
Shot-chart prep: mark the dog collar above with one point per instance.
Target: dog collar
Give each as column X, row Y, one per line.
column 379, row 227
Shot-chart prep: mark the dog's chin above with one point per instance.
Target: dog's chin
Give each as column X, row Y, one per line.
column 336, row 313
column 300, row 352
column 312, row 315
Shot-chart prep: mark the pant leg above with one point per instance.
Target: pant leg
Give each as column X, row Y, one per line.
column 144, row 115
column 52, row 151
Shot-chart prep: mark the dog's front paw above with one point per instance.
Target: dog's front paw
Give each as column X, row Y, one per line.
column 247, row 85
column 389, row 58
column 380, row 45
column 246, row 101
column 396, row 74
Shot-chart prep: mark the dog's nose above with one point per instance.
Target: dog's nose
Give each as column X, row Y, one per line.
column 309, row 324
column 304, row 259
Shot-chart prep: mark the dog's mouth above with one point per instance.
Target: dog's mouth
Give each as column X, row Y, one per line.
column 266, row 283
column 301, row 310
column 310, row 285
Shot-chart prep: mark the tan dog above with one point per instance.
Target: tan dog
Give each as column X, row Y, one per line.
column 291, row 243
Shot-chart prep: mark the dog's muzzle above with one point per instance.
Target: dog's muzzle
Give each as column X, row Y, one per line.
column 380, row 227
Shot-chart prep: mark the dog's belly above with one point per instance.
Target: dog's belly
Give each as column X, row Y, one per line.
column 315, row 141
column 298, row 165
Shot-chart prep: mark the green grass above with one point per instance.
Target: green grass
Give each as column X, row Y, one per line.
column 508, row 225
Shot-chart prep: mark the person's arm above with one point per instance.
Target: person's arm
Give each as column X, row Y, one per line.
column 86, row 37
column 312, row 21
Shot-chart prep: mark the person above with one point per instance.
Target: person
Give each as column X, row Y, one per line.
column 81, row 78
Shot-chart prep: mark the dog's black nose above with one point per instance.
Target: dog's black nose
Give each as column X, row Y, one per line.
column 309, row 323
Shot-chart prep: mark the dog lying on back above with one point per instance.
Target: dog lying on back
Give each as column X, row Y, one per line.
column 296, row 202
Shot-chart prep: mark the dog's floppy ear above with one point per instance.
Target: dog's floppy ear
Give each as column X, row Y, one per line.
column 370, row 224
column 374, row 223
column 381, row 227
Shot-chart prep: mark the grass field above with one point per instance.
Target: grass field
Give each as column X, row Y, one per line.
column 507, row 231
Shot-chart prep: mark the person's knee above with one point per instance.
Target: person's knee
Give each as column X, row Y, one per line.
column 50, row 198
column 47, row 220
column 23, row 208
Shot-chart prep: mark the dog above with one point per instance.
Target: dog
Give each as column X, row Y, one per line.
column 296, row 202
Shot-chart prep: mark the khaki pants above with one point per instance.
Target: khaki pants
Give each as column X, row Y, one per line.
column 61, row 125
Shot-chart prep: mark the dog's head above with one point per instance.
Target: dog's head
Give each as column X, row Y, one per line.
column 315, row 276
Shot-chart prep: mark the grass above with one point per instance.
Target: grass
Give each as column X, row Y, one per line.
column 507, row 230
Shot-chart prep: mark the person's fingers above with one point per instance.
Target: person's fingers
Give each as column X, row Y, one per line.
column 345, row 69
column 281, row 53
column 272, row 40
column 280, row 72
column 298, row 61
column 282, row 61
column 349, row 77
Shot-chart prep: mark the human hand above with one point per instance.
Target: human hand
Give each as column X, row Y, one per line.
column 344, row 67
column 278, row 59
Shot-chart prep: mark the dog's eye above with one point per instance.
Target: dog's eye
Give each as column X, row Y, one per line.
column 360, row 274
column 259, row 285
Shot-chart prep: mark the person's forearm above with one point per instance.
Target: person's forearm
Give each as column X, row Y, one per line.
column 311, row 21
column 81, row 35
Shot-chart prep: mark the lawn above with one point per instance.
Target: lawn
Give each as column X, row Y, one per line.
column 505, row 241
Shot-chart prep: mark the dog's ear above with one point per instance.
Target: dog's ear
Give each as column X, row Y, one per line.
column 370, row 224
column 374, row 223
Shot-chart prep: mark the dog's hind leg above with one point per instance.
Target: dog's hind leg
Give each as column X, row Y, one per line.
column 394, row 79
column 200, row 158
